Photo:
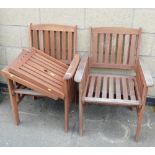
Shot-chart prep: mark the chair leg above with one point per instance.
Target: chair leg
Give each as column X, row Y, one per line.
column 140, row 112
column 81, row 118
column 13, row 101
column 66, row 114
column 76, row 94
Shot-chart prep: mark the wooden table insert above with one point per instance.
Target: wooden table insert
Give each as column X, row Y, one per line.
column 42, row 70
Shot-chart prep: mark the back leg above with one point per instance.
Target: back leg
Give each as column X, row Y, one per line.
column 13, row 101
column 66, row 109
column 81, row 118
column 140, row 112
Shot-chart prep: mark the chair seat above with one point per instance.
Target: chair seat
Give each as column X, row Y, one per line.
column 111, row 90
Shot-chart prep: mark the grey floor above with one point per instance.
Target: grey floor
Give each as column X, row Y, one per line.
column 42, row 125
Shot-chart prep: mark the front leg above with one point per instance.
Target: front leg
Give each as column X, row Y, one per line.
column 13, row 101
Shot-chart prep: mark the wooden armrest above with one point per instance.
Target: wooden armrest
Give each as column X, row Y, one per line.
column 81, row 69
column 72, row 68
column 147, row 75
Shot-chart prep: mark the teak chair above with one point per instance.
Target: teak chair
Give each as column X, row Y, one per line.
column 113, row 48
column 54, row 46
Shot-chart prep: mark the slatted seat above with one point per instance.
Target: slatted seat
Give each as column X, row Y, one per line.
column 112, row 90
column 47, row 69
column 113, row 48
column 44, row 71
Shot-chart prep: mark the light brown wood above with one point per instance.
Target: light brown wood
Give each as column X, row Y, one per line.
column 52, row 27
column 57, row 41
column 36, row 77
column 72, row 68
column 98, row 87
column 15, row 78
column 107, row 48
column 132, row 49
column 118, row 88
column 118, row 50
column 120, row 46
column 64, row 45
column 41, row 41
column 52, row 43
column 115, row 50
column 110, row 83
column 13, row 101
column 42, row 75
column 58, row 45
column 116, row 30
column 125, row 90
column 104, row 87
column 27, row 92
column 101, row 48
column 47, row 50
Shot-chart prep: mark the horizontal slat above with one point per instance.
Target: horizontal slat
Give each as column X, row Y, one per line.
column 40, row 53
column 52, row 27
column 45, row 75
column 28, row 84
column 27, row 92
column 37, row 81
column 111, row 75
column 48, row 66
column 111, row 101
column 51, row 73
column 117, row 66
column 115, row 30
column 43, row 79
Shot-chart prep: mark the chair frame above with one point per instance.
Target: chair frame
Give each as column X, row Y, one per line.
column 17, row 86
column 143, row 76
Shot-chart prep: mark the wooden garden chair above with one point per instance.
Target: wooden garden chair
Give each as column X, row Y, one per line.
column 50, row 70
column 113, row 48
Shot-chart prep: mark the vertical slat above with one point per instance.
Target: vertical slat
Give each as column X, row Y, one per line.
column 47, row 42
column 69, row 46
column 138, row 45
column 64, row 45
column 94, row 49
column 112, row 59
column 111, row 87
column 131, row 89
column 30, row 35
column 118, row 88
column 91, row 86
column 41, row 40
column 35, row 39
column 58, row 44
column 119, row 51
column 126, row 50
column 75, row 40
column 107, row 48
column 52, row 44
column 104, row 87
column 98, row 87
column 132, row 49
column 101, row 48
column 125, row 90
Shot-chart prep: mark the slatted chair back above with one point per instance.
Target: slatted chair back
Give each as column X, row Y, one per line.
column 114, row 47
column 55, row 40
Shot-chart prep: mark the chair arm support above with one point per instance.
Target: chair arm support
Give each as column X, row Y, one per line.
column 81, row 69
column 146, row 73
column 72, row 68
